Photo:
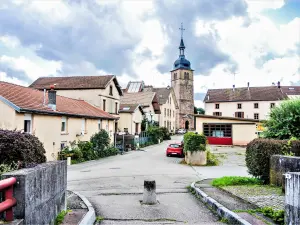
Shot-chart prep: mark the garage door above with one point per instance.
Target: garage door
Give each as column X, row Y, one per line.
column 218, row 134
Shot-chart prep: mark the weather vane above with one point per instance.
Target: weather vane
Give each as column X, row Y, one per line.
column 181, row 28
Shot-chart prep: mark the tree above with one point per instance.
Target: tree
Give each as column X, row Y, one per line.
column 200, row 110
column 284, row 121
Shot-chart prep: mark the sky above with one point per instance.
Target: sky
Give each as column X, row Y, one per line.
column 227, row 41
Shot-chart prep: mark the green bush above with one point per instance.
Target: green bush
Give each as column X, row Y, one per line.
column 212, row 159
column 234, row 180
column 258, row 154
column 23, row 148
column 155, row 133
column 109, row 151
column 284, row 121
column 276, row 215
column 194, row 142
column 86, row 148
column 4, row 168
column 165, row 133
column 100, row 141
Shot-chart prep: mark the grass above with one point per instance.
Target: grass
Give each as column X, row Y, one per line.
column 99, row 219
column 60, row 217
column 234, row 180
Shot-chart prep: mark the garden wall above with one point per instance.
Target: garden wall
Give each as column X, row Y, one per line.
column 279, row 165
column 40, row 192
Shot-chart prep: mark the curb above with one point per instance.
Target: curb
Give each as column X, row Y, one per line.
column 221, row 210
column 90, row 216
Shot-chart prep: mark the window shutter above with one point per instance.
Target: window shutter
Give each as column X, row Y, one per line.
column 242, row 114
column 236, row 114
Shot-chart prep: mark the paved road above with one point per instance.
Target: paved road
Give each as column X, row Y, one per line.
column 115, row 185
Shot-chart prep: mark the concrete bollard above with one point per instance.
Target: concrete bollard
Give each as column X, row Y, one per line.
column 292, row 196
column 149, row 197
column 68, row 161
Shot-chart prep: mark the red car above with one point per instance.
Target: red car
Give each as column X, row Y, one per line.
column 175, row 149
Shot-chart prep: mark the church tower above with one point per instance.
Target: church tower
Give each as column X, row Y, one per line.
column 182, row 80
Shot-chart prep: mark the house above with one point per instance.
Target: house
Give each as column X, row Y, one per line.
column 245, row 102
column 227, row 130
column 54, row 119
column 147, row 100
column 168, row 106
column 131, row 116
column 101, row 91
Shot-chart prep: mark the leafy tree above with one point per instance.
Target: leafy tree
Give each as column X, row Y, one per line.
column 100, row 141
column 200, row 110
column 284, row 121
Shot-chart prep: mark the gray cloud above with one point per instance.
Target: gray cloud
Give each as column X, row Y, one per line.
column 14, row 73
column 202, row 51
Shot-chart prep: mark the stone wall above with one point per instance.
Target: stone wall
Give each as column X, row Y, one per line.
column 279, row 165
column 40, row 192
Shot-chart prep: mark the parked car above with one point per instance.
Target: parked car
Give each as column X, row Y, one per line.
column 181, row 131
column 175, row 149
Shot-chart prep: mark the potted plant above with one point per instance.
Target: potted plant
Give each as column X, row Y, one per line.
column 195, row 149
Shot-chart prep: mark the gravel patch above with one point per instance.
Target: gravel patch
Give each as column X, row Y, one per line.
column 260, row 195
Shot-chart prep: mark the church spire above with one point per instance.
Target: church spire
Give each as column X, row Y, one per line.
column 181, row 46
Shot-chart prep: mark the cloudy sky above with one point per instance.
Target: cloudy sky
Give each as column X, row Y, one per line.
column 257, row 40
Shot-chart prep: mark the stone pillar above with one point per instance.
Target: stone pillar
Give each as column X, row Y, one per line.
column 292, row 198
column 149, row 192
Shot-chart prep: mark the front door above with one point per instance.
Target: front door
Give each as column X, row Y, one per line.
column 187, row 124
column 136, row 128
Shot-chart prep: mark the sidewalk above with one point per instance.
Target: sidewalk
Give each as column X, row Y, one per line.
column 233, row 203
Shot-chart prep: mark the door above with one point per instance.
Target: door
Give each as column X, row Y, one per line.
column 187, row 124
column 136, row 128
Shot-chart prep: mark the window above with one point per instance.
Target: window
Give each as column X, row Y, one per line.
column 255, row 105
column 116, row 108
column 272, row 105
column 173, row 113
column 239, row 105
column 99, row 124
column 165, row 112
column 239, row 114
column 186, row 75
column 104, row 105
column 64, row 124
column 126, row 130
column 174, row 146
column 27, row 123
column 170, row 100
column 256, row 116
column 217, row 130
column 83, row 126
column 175, row 76
column 165, row 124
column 217, row 113
column 63, row 145
column 111, row 90
column 217, row 106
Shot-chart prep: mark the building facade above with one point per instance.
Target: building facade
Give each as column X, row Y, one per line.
column 55, row 122
column 246, row 102
column 131, row 117
column 101, row 91
column 182, row 80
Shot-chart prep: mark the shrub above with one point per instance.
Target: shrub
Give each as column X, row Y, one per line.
column 23, row 148
column 100, row 141
column 194, row 142
column 109, row 151
column 258, row 154
column 234, row 180
column 4, row 168
column 165, row 133
column 86, row 148
column 155, row 133
column 212, row 159
column 284, row 121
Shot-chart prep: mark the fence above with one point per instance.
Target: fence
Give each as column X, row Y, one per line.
column 143, row 138
column 7, row 187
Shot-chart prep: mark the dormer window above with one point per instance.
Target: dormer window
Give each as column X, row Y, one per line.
column 110, row 90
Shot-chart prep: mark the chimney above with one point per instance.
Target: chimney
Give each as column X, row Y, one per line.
column 278, row 84
column 248, row 85
column 233, row 87
column 52, row 98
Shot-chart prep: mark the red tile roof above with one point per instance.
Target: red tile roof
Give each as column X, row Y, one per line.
column 31, row 100
column 271, row 93
column 76, row 82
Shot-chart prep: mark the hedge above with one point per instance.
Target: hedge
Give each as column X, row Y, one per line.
column 22, row 148
column 258, row 154
column 194, row 142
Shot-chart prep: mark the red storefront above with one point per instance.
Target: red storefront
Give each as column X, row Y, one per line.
column 218, row 134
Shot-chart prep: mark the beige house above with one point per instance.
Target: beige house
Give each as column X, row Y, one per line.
column 131, row 116
column 168, row 106
column 246, row 102
column 101, row 91
column 227, row 130
column 147, row 100
column 54, row 119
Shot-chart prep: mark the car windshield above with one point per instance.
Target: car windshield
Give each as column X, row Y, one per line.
column 175, row 146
